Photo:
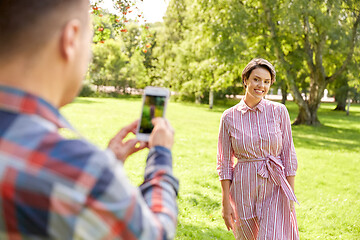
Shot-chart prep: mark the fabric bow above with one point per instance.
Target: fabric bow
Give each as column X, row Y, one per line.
column 272, row 167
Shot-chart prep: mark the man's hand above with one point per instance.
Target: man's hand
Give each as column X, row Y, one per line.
column 124, row 149
column 162, row 134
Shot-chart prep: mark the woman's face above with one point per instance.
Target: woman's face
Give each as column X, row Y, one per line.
column 258, row 83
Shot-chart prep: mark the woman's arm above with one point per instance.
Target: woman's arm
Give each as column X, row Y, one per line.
column 225, row 153
column 225, row 170
column 227, row 210
column 291, row 180
column 288, row 154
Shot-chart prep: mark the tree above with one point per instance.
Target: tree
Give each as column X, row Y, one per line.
column 108, row 25
column 121, row 47
column 310, row 33
column 341, row 89
column 108, row 66
column 196, row 57
column 294, row 35
column 344, row 87
column 137, row 71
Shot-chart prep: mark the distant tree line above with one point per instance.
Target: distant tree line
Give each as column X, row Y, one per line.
column 202, row 46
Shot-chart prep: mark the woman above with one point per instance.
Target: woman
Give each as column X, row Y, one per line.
column 258, row 190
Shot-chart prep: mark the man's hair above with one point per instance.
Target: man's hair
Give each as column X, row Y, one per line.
column 26, row 25
column 258, row 63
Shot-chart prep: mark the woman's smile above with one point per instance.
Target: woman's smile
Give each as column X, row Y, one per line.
column 257, row 86
column 260, row 92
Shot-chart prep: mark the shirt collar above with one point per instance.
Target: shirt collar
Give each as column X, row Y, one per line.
column 243, row 108
column 18, row 101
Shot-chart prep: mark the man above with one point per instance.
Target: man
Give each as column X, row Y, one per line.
column 57, row 188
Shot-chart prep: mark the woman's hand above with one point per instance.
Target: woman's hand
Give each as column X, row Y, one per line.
column 228, row 215
column 292, row 205
column 227, row 210
column 291, row 180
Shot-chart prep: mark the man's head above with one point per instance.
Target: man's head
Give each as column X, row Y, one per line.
column 42, row 36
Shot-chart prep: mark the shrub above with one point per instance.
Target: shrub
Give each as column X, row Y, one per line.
column 86, row 91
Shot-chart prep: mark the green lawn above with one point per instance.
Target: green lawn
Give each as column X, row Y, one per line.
column 327, row 182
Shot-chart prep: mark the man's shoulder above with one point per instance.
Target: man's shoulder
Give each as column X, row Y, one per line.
column 31, row 145
column 36, row 134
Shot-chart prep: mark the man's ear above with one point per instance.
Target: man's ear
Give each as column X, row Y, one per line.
column 70, row 39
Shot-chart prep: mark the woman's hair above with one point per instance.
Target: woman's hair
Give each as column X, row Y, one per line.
column 258, row 63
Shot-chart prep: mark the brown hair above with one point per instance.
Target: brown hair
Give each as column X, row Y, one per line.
column 26, row 25
column 258, row 63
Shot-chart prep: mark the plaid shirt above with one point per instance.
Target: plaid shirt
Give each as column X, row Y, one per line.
column 58, row 188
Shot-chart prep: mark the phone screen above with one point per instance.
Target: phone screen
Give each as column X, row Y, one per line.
column 153, row 107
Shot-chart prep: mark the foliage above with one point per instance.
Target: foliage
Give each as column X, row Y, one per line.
column 86, row 91
column 327, row 155
column 203, row 46
column 137, row 71
column 122, row 50
column 107, row 25
column 197, row 58
column 303, row 39
column 209, row 43
column 125, row 61
column 107, row 67
column 347, row 86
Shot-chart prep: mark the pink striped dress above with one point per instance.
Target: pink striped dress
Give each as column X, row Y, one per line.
column 256, row 151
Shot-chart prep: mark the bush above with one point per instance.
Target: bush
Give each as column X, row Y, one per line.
column 86, row 91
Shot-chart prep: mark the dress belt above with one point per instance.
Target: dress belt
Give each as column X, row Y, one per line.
column 272, row 167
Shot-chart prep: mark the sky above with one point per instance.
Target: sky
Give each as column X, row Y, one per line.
column 153, row 10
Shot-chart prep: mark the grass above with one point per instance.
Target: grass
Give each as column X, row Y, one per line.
column 327, row 182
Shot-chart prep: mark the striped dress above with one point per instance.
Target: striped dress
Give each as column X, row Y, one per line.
column 256, row 152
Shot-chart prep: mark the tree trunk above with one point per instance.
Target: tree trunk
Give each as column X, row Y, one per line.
column 341, row 93
column 211, row 99
column 307, row 115
column 197, row 98
column 308, row 109
column 284, row 92
column 290, row 76
column 303, row 116
column 318, row 79
column 340, row 106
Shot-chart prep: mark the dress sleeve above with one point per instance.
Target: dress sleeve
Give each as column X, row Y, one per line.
column 288, row 155
column 225, row 153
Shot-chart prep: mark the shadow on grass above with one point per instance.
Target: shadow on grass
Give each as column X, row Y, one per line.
column 93, row 99
column 85, row 100
column 199, row 206
column 337, row 131
column 190, row 231
column 200, row 199
column 326, row 137
column 128, row 97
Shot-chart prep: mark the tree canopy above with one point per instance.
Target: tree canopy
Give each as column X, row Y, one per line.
column 202, row 47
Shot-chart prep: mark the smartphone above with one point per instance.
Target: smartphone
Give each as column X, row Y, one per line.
column 154, row 105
